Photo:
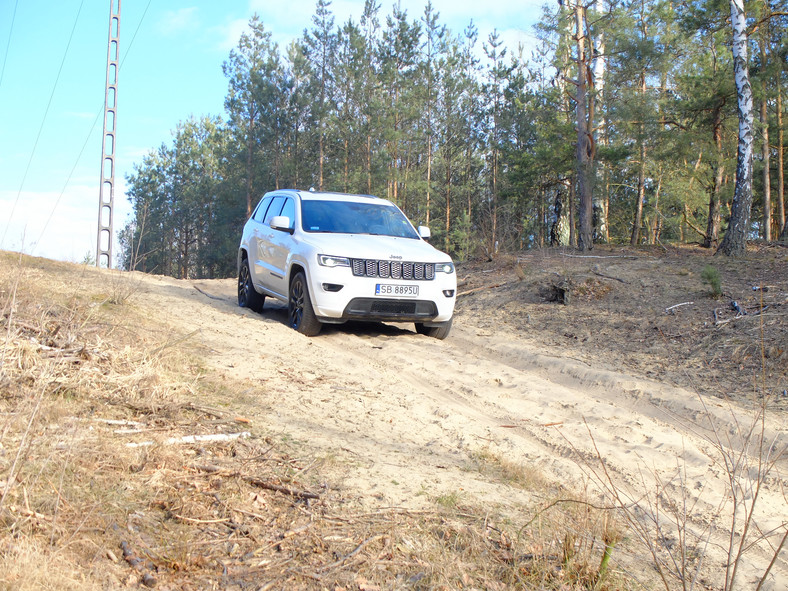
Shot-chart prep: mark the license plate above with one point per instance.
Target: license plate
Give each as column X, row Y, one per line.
column 399, row 291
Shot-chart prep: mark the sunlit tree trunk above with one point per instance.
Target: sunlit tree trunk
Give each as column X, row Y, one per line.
column 766, row 231
column 598, row 65
column 781, row 164
column 585, row 240
column 735, row 241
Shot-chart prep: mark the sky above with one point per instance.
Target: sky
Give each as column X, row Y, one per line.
column 53, row 59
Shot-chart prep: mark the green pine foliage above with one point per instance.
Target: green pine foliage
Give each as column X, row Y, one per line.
column 473, row 138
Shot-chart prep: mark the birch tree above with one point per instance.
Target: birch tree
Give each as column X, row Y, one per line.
column 735, row 241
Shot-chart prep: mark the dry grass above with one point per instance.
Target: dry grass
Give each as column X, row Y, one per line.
column 84, row 373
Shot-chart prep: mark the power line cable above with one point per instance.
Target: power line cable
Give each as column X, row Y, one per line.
column 87, row 138
column 43, row 121
column 8, row 44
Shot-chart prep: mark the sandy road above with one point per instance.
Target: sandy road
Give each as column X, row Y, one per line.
column 405, row 414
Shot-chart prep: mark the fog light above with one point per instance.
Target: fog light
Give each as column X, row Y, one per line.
column 334, row 287
column 448, row 293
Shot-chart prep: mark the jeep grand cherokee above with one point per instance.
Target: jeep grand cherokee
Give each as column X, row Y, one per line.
column 335, row 257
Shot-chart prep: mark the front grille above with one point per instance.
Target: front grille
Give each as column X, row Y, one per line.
column 393, row 269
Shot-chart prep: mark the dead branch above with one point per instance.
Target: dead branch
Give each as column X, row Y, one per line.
column 609, row 277
column 29, row 513
column 591, row 256
column 358, row 549
column 254, row 481
column 475, row 289
column 690, row 223
column 669, row 308
column 300, row 494
column 207, row 295
column 212, row 438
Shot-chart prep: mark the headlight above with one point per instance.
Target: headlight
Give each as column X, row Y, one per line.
column 447, row 268
column 331, row 261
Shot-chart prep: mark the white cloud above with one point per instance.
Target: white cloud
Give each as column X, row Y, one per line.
column 175, row 22
column 231, row 32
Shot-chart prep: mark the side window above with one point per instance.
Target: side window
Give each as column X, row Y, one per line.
column 289, row 211
column 259, row 212
column 273, row 209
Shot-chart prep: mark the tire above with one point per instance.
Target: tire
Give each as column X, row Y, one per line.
column 436, row 332
column 300, row 314
column 247, row 294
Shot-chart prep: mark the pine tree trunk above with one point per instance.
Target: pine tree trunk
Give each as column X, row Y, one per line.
column 781, row 166
column 713, row 225
column 766, row 232
column 448, row 207
column 641, row 195
column 369, row 165
column 584, row 165
column 735, row 241
column 429, row 175
column 767, row 189
column 249, row 153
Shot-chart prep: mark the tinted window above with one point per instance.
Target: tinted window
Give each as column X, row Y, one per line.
column 273, row 209
column 289, row 210
column 259, row 212
column 346, row 217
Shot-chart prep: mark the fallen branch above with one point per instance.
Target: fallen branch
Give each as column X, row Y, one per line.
column 358, row 549
column 216, row 437
column 609, row 277
column 29, row 513
column 207, row 295
column 258, row 482
column 475, row 289
column 300, row 494
column 591, row 256
column 668, row 309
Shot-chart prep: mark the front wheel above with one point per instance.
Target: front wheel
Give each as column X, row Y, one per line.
column 436, row 332
column 300, row 313
column 247, row 294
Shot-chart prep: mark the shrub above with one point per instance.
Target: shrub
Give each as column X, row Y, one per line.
column 711, row 276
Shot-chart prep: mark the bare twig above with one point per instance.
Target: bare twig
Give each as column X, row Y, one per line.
column 213, row 297
column 475, row 289
column 610, row 277
column 301, row 494
column 669, row 308
column 358, row 549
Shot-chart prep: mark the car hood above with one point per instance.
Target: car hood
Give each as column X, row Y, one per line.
column 376, row 247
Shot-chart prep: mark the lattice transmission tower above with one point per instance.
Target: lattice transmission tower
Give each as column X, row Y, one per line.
column 107, row 188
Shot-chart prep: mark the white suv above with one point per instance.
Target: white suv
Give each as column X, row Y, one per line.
column 335, row 257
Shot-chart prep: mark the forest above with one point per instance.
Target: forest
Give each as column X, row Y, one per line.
column 633, row 122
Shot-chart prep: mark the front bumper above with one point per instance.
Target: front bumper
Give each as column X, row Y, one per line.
column 356, row 300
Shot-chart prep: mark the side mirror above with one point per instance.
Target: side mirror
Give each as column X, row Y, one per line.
column 281, row 223
column 424, row 232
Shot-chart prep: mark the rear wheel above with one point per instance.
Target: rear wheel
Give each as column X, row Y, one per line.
column 300, row 313
column 247, row 294
column 436, row 332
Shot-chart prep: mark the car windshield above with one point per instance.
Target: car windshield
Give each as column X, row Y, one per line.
column 347, row 217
